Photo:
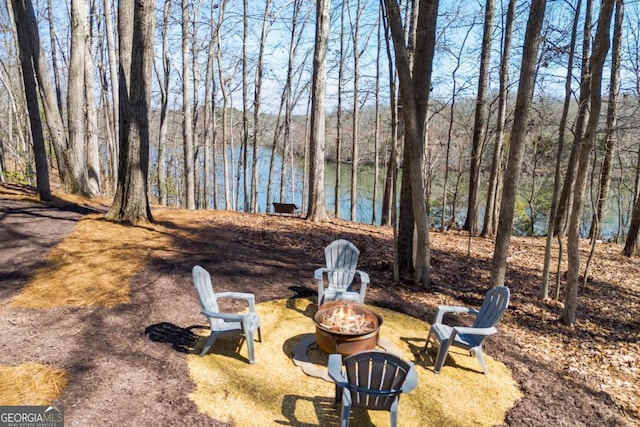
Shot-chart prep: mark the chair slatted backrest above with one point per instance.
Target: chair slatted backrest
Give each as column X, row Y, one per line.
column 342, row 260
column 375, row 378
column 494, row 305
column 206, row 295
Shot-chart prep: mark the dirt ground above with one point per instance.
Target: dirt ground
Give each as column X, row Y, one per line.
column 122, row 377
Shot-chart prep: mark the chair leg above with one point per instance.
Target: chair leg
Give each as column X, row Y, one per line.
column 426, row 344
column 346, row 409
column 252, row 358
column 442, row 355
column 480, row 356
column 207, row 346
column 394, row 414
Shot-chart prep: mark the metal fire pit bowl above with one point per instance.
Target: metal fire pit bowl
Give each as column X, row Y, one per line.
column 346, row 343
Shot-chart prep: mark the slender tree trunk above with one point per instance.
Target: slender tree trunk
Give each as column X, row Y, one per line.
column 355, row 144
column 558, row 169
column 600, row 50
column 20, row 13
column 225, row 103
column 76, row 99
column 113, row 70
column 518, row 136
column 612, row 112
column 94, row 176
column 245, row 107
column 489, row 225
column 376, row 137
column 316, row 206
column 336, row 209
column 187, row 124
column 256, row 105
column 479, row 121
column 579, row 128
column 54, row 56
column 389, row 197
column 163, row 84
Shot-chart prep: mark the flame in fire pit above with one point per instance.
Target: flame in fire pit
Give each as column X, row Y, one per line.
column 343, row 319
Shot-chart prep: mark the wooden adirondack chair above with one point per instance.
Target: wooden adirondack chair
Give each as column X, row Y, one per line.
column 225, row 323
column 469, row 338
column 371, row 380
column 342, row 259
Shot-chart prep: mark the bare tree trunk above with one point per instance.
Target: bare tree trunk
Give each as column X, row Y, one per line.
column 389, row 197
column 489, row 225
column 612, row 112
column 135, row 32
column 558, row 169
column 266, row 24
column 518, row 136
column 579, row 129
column 452, row 109
column 225, row 102
column 376, row 137
column 600, row 50
column 112, row 144
column 163, row 84
column 406, row 220
column 187, row 124
column 479, row 121
column 336, row 208
column 245, row 107
column 31, row 95
column 355, row 31
column 76, row 99
column 54, row 56
column 94, row 176
column 415, row 100
column 316, row 206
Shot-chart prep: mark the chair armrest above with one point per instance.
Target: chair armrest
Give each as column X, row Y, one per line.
column 411, row 381
column 227, row 317
column 318, row 275
column 335, row 370
column 442, row 309
column 364, row 277
column 475, row 331
column 319, row 272
column 248, row 297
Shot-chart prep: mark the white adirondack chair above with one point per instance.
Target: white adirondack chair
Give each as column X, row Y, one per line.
column 336, row 280
column 470, row 338
column 226, row 323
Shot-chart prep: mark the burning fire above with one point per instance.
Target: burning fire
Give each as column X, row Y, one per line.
column 345, row 320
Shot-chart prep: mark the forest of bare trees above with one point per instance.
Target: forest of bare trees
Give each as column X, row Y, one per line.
column 496, row 118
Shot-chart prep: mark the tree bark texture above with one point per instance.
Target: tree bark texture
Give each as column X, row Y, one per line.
column 316, row 209
column 31, row 96
column 135, row 30
column 518, row 136
column 600, row 50
column 479, row 120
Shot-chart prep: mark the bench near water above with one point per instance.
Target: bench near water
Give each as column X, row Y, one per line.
column 284, row 208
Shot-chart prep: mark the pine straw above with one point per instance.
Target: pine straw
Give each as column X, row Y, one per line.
column 91, row 266
column 31, row 384
column 274, row 391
